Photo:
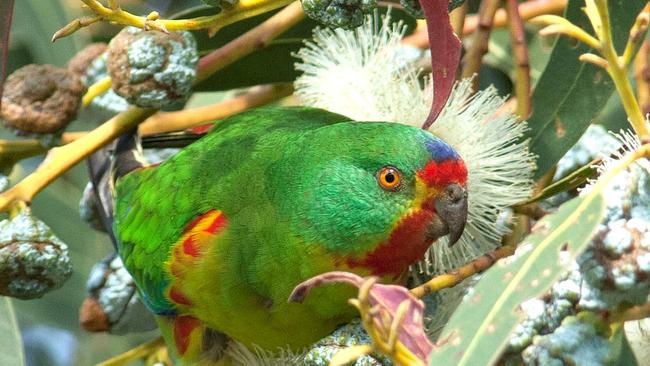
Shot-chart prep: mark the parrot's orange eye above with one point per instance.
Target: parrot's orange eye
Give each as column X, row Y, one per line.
column 389, row 178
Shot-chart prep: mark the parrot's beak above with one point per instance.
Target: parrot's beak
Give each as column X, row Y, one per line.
column 451, row 206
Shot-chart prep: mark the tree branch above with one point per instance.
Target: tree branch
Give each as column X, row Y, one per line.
column 528, row 10
column 455, row 277
column 61, row 159
column 522, row 64
column 474, row 56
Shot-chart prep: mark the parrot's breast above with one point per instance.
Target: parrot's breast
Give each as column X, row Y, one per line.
column 407, row 243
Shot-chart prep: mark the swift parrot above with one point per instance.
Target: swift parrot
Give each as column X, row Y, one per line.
column 217, row 237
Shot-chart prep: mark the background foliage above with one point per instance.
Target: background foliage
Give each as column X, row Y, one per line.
column 566, row 93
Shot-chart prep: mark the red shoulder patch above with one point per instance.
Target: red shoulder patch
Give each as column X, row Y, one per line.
column 199, row 234
column 186, row 328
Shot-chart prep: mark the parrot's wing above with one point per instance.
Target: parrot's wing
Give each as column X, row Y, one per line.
column 156, row 208
column 154, row 261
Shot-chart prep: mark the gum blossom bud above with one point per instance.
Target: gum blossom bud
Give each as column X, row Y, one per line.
column 152, row 69
column 33, row 261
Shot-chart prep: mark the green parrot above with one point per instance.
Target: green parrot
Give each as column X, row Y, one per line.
column 217, row 237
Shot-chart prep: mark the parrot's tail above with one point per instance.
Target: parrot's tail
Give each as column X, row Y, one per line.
column 106, row 166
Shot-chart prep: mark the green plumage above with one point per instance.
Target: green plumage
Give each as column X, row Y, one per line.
column 299, row 189
column 223, row 171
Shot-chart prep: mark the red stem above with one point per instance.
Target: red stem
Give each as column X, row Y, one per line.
column 6, row 14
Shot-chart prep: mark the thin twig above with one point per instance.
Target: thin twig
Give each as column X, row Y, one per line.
column 594, row 59
column 522, row 64
column 638, row 312
column 637, row 35
column 257, row 38
column 13, row 151
column 527, row 10
column 474, row 56
column 213, row 23
column 21, row 148
column 642, row 76
column 457, row 276
column 163, row 122
column 97, row 89
column 559, row 25
column 175, row 121
column 6, row 15
column 642, row 152
column 135, row 354
column 532, row 210
column 619, row 74
column 61, row 159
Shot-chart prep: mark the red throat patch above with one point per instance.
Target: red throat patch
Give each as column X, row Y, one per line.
column 406, row 245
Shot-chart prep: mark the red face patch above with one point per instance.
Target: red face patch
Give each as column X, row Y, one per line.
column 440, row 174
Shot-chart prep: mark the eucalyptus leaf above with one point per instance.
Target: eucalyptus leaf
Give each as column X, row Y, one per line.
column 570, row 93
column 572, row 181
column 11, row 345
column 479, row 329
column 41, row 20
column 500, row 52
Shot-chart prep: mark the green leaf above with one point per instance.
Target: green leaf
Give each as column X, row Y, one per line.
column 570, row 93
column 11, row 345
column 271, row 64
column 572, row 181
column 176, row 9
column 42, row 19
column 500, row 51
column 479, row 329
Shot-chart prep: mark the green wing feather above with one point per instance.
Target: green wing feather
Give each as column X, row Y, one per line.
column 154, row 205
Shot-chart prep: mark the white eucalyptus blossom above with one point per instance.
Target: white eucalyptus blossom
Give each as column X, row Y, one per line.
column 628, row 142
column 244, row 356
column 366, row 74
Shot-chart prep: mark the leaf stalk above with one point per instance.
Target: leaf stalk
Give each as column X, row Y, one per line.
column 617, row 70
column 213, row 23
column 522, row 63
column 479, row 47
column 95, row 90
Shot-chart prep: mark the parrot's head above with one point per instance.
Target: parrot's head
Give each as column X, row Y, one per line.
column 375, row 195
